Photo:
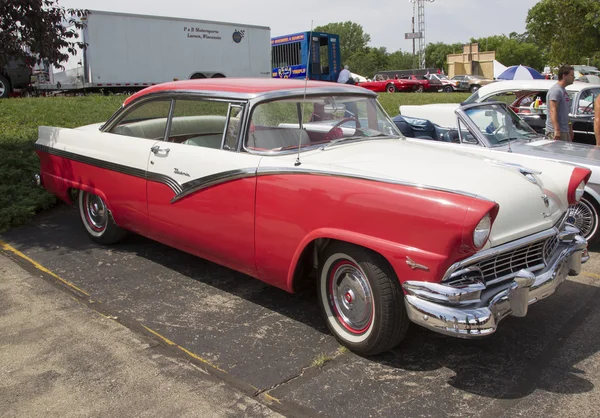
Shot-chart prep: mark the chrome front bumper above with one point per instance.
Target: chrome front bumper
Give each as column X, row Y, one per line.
column 474, row 310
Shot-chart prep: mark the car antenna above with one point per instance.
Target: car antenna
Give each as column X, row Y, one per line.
column 297, row 163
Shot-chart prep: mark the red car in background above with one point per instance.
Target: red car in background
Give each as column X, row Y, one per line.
column 424, row 84
column 382, row 83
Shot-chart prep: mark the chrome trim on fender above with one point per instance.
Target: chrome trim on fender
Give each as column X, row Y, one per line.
column 202, row 183
column 265, row 171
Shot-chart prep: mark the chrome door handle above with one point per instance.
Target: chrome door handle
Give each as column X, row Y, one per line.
column 156, row 149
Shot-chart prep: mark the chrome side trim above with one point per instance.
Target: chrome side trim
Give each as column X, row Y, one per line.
column 119, row 168
column 202, row 183
column 266, row 171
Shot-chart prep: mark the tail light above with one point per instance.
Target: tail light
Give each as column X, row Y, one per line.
column 579, row 179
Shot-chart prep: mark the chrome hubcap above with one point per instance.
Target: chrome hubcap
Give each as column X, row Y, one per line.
column 2, row 88
column 352, row 297
column 96, row 211
column 583, row 216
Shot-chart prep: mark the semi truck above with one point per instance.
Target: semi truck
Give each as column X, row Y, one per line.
column 128, row 52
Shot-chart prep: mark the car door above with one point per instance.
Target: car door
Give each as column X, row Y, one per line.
column 582, row 115
column 123, row 148
column 201, row 190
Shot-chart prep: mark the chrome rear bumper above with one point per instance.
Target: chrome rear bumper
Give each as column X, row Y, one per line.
column 474, row 310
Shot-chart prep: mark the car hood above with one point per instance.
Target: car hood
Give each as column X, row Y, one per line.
column 522, row 208
column 580, row 154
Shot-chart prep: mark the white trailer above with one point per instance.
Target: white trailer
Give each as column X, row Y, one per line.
column 130, row 51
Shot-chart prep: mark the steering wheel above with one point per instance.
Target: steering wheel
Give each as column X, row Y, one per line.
column 336, row 132
column 587, row 108
column 497, row 130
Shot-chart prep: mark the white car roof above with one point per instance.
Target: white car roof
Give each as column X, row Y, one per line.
column 505, row 85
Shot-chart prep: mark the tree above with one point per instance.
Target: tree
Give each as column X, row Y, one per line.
column 514, row 49
column 400, row 60
column 437, row 54
column 352, row 37
column 36, row 31
column 568, row 30
column 369, row 61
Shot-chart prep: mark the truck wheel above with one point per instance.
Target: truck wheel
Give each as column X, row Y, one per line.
column 97, row 219
column 4, row 87
column 361, row 299
column 584, row 216
column 390, row 88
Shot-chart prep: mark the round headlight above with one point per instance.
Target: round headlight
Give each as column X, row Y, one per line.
column 579, row 191
column 482, row 231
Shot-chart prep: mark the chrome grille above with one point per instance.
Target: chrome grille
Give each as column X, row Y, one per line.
column 532, row 257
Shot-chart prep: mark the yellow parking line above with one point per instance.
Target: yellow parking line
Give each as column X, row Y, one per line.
column 7, row 247
column 590, row 274
column 189, row 353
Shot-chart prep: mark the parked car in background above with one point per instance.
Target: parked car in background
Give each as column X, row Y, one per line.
column 521, row 95
column 383, row 83
column 473, row 83
column 480, row 127
column 424, row 83
column 287, row 181
column 14, row 76
column 443, row 82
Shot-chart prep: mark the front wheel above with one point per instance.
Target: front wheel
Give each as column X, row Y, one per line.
column 584, row 216
column 390, row 88
column 98, row 220
column 448, row 89
column 361, row 299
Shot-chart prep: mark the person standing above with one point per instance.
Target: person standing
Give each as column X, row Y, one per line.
column 558, row 125
column 597, row 119
column 344, row 76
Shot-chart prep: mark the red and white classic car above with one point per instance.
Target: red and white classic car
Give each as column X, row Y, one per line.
column 289, row 182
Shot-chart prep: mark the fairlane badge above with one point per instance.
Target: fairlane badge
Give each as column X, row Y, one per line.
column 414, row 265
column 181, row 172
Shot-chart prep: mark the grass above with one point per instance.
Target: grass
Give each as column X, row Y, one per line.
column 19, row 121
column 20, row 118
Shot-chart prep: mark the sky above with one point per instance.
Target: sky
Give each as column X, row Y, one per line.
column 386, row 21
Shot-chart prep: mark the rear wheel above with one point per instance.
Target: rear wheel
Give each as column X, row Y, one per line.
column 361, row 299
column 390, row 88
column 448, row 89
column 4, row 87
column 98, row 220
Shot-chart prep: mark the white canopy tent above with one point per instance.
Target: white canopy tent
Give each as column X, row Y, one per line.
column 498, row 68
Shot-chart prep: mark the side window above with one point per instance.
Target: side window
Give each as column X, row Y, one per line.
column 149, row 121
column 203, row 123
column 586, row 101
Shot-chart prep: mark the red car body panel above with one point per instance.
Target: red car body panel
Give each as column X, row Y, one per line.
column 265, row 229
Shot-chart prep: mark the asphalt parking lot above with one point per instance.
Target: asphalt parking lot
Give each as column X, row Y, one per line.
column 275, row 347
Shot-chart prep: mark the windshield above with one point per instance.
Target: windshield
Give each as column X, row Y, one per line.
column 499, row 124
column 472, row 98
column 276, row 125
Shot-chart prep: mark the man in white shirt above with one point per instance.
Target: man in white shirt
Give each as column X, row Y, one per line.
column 344, row 76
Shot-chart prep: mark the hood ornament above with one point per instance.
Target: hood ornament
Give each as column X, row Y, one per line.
column 414, row 265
